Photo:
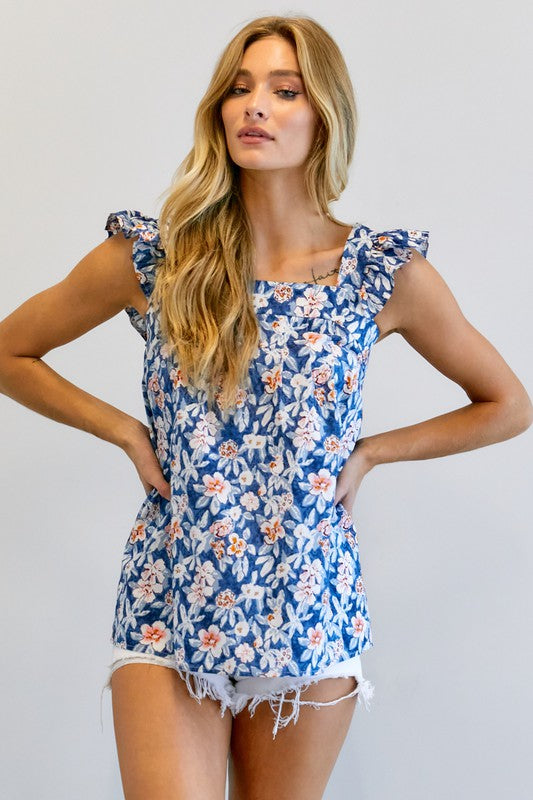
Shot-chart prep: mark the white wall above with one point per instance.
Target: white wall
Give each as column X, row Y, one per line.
column 99, row 100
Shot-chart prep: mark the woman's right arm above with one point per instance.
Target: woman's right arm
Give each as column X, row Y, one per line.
column 101, row 285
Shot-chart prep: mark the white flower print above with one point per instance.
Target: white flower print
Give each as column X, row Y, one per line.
column 244, row 652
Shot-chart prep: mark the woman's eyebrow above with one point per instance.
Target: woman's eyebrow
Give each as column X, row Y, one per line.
column 282, row 72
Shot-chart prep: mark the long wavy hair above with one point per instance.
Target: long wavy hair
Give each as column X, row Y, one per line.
column 203, row 286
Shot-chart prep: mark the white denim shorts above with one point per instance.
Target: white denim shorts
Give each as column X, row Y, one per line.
column 235, row 693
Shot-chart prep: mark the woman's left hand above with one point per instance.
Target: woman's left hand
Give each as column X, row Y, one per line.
column 357, row 465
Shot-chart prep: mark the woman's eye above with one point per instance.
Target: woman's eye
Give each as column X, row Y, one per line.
column 289, row 93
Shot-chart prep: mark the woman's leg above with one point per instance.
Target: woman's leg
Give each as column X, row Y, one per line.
column 297, row 763
column 168, row 744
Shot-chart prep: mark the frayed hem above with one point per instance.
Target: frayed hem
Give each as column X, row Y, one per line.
column 199, row 687
column 203, row 687
column 363, row 689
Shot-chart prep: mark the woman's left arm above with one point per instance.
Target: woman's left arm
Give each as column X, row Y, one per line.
column 424, row 311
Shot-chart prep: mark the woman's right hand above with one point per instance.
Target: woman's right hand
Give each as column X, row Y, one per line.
column 139, row 449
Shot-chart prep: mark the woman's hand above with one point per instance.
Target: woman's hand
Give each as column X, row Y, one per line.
column 139, row 449
column 357, row 465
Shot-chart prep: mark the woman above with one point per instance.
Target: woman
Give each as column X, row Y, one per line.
column 241, row 585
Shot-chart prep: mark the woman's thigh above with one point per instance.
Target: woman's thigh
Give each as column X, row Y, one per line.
column 168, row 744
column 297, row 763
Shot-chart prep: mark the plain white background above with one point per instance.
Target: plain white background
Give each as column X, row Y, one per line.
column 99, row 102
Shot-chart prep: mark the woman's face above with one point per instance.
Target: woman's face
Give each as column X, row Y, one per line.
column 276, row 103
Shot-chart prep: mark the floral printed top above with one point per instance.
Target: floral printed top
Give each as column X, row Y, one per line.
column 251, row 568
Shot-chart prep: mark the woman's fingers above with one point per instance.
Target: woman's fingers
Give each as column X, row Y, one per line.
column 146, row 463
column 163, row 488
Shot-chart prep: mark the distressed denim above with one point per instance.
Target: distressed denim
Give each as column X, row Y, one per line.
column 237, row 693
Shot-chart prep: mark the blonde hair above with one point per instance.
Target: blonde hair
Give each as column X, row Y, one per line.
column 204, row 284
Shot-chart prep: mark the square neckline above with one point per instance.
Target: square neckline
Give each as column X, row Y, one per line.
column 335, row 287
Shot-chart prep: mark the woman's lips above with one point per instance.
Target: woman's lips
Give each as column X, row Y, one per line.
column 252, row 139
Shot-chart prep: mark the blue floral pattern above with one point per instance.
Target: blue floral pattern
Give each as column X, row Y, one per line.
column 251, row 568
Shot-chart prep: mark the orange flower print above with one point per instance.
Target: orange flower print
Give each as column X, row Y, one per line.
column 316, row 341
column 380, row 241
column 212, row 640
column 175, row 531
column 225, row 599
column 322, row 483
column 138, row 532
column 236, row 545
column 156, row 635
column 218, row 547
column 216, row 486
column 228, row 449
column 272, row 530
column 275, row 619
column 350, row 538
column 272, row 378
column 351, row 378
column 332, row 444
column 282, row 292
column 325, row 545
column 320, row 396
column 276, row 465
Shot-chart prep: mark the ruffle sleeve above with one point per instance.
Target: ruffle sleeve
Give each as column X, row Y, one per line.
column 380, row 254
column 147, row 251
